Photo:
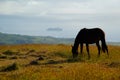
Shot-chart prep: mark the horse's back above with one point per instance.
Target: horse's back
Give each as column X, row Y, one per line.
column 96, row 31
column 91, row 32
column 90, row 35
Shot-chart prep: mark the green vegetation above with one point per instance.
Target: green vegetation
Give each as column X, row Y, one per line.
column 55, row 62
column 24, row 39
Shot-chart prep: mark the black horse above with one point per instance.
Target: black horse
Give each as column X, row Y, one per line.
column 89, row 36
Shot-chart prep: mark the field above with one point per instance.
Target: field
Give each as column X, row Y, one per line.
column 54, row 62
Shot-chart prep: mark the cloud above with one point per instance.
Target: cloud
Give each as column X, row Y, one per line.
column 27, row 7
column 52, row 7
column 70, row 15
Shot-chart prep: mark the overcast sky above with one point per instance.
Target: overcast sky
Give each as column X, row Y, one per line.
column 35, row 17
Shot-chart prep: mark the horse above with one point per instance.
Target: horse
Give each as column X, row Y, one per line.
column 89, row 36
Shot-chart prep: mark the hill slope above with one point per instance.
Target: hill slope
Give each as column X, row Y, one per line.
column 24, row 39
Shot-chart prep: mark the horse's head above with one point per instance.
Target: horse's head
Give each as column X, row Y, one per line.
column 74, row 52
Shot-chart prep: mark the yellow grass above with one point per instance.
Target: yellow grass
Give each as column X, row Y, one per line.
column 57, row 63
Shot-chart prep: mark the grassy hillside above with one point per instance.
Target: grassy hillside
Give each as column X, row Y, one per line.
column 24, row 39
column 54, row 62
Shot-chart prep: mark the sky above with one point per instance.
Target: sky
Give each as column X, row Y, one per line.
column 35, row 17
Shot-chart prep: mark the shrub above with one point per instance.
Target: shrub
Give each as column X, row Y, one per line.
column 31, row 51
column 12, row 67
column 61, row 54
column 70, row 60
column 52, row 62
column 8, row 52
column 14, row 57
column 35, row 62
column 41, row 58
column 3, row 56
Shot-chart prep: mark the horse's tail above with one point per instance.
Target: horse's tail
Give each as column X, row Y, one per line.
column 104, row 46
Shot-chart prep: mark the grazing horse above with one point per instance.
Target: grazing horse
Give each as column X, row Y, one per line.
column 89, row 36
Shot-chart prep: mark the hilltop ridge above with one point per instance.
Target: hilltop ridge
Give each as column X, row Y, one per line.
column 25, row 39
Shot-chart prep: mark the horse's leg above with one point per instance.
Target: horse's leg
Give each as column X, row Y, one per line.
column 81, row 47
column 98, row 46
column 87, row 47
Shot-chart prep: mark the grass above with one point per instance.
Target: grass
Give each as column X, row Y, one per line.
column 54, row 62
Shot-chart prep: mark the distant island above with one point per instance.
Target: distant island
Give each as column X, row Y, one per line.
column 54, row 29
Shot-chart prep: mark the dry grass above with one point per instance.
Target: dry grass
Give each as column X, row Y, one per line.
column 54, row 62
